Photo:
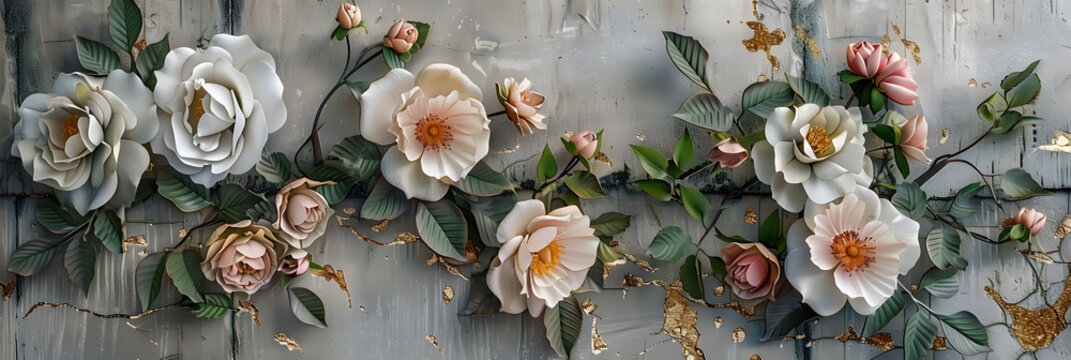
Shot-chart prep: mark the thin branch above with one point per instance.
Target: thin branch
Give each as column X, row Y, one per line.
column 91, row 312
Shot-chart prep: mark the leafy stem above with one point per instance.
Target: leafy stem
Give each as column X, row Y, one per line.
column 568, row 167
column 733, row 195
column 940, row 162
column 194, row 229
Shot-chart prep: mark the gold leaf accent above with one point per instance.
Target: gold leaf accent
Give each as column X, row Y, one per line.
column 717, row 322
column 247, row 306
column 1035, row 329
column 588, row 306
column 448, row 294
column 751, row 216
column 471, row 251
column 140, row 44
column 403, row 238
column 945, row 134
column 911, row 46
column 764, row 39
column 816, row 51
column 601, row 156
column 381, row 226
column 349, row 211
column 886, row 44
column 598, row 344
column 882, row 341
column 641, row 137
column 679, row 324
column 1064, row 228
column 939, row 344
column 755, row 357
column 136, row 240
column 986, row 84
column 972, row 82
column 636, row 281
column 1037, row 256
column 449, row 268
column 289, row 342
column 738, row 335
column 9, row 288
column 434, row 342
column 718, row 290
column 329, row 274
column 181, row 232
column 762, row 78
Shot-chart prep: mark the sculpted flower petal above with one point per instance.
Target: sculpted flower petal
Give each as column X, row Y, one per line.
column 409, row 177
column 440, row 79
column 504, row 284
column 380, row 102
column 516, row 221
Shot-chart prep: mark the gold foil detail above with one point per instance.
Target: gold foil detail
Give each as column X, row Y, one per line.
column 329, row 274
column 247, row 306
column 1036, row 329
column 9, row 288
column 136, row 240
column 751, row 216
column 598, row 344
column 449, row 268
column 1064, row 228
column 471, row 251
column 972, row 82
column 349, row 211
column 939, row 344
column 403, row 238
column 381, row 226
column 140, row 44
column 755, row 357
column 945, row 134
column 182, row 232
column 641, row 137
column 986, row 84
column 601, row 156
column 816, row 51
column 718, row 321
column 631, row 281
column 1037, row 256
column 1061, row 141
column 588, row 306
column 679, row 324
column 433, row 341
column 738, row 335
column 762, row 78
column 448, row 294
column 910, row 46
column 886, row 44
column 289, row 342
column 882, row 341
column 718, row 290
column 763, row 39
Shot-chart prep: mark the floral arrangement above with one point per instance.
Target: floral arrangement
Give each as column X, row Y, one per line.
column 180, row 122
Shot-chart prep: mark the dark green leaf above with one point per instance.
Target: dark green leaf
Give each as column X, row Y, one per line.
column 109, row 230
column 184, row 269
column 652, row 160
column 694, row 202
column 124, row 23
column 443, row 228
column 717, row 265
column 422, row 35
column 1013, row 79
column 919, row 334
column 184, row 193
column 357, row 88
column 965, row 333
column 608, row 254
column 339, row 33
column 148, row 278
column 942, row 243
column 146, row 187
column 787, row 313
column 55, row 220
column 233, row 202
column 684, row 153
column 847, row 76
column 881, row 317
column 32, row 256
column 392, row 58
column 752, row 138
column 965, row 203
column 762, row 98
column 80, row 261
column 263, row 210
column 942, row 284
column 770, row 230
column 910, row 200
column 333, row 193
column 1018, row 184
column 385, row 202
column 481, row 300
column 808, row 91
column 729, row 238
column 688, row 55
column 658, row 189
column 275, row 167
column 692, row 277
column 885, row 133
column 96, row 57
column 670, row 244
column 563, row 324
column 585, row 185
column 706, row 111
column 307, row 307
column 1025, row 92
column 990, row 109
column 901, row 162
column 357, row 156
column 214, row 306
column 611, row 223
column 482, row 180
column 877, row 100
column 152, row 59
column 548, row 166
column 1007, row 122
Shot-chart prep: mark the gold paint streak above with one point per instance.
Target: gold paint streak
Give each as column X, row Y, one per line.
column 1064, row 228
column 9, row 288
column 910, row 46
column 289, row 342
column 882, row 341
column 247, row 306
column 598, row 344
column 763, row 39
column 816, row 51
column 1037, row 256
column 588, row 306
column 136, row 240
column 631, row 281
column 449, row 268
column 329, row 274
column 679, row 323
column 751, row 216
column 434, row 342
column 91, row 312
column 601, row 156
column 1036, row 329
column 349, row 211
column 381, row 226
column 448, row 294
column 886, row 44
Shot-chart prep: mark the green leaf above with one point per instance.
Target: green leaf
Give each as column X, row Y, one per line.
column 481, row 300
column 548, row 166
column 124, row 23
column 608, row 254
column 307, row 307
column 32, row 256
column 942, row 243
column 752, row 138
column 1025, row 92
column 1007, row 122
column 563, row 324
column 393, row 58
column 585, row 185
column 729, row 238
column 611, row 223
column 910, row 200
column 1018, row 184
column 694, row 202
column 443, row 228
column 847, row 76
column 652, row 160
column 146, row 187
column 762, row 98
column 422, row 35
column 692, row 277
column 96, row 57
column 357, row 88
column 706, row 111
column 717, row 266
column 992, row 107
column 339, row 33
column 901, row 162
column 385, row 202
column 275, row 167
column 1014, row 79
column 184, row 193
column 684, row 153
column 184, row 269
column 357, row 156
column 488, row 213
column 263, row 210
column 881, row 317
column 109, row 230
column 482, row 180
column 688, row 55
column 658, row 189
column 965, row 203
column 808, row 91
column 152, row 59
column 919, row 334
column 148, row 277
column 214, row 306
column 877, row 100
column 233, row 202
column 55, row 220
column 770, row 230
column 786, row 314
column 333, row 193
column 965, row 333
column 885, row 133
column 942, row 284
column 670, row 244
column 80, row 261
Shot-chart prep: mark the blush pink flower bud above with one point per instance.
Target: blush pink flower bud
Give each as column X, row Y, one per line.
column 729, row 153
column 296, row 262
column 586, row 143
column 401, row 37
column 1031, row 219
column 913, row 138
column 889, row 73
column 349, row 16
column 754, row 271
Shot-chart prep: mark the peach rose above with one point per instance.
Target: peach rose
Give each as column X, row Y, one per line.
column 890, row 74
column 349, row 16
column 586, row 143
column 401, row 37
column 913, row 138
column 1031, row 219
column 522, row 104
column 729, row 153
column 303, row 212
column 242, row 257
column 754, row 271
column 296, row 262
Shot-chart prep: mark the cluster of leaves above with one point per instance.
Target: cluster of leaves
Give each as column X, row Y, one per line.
column 124, row 26
column 1019, row 89
column 866, row 91
column 80, row 236
column 396, row 59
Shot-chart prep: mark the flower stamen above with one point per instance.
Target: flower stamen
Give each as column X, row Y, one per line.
column 853, row 252
column 434, row 133
column 819, row 140
column 546, row 259
column 69, row 127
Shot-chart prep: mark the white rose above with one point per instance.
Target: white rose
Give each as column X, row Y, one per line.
column 438, row 122
column 85, row 138
column 218, row 106
column 811, row 153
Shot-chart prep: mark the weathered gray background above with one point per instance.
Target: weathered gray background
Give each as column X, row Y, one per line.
column 602, row 64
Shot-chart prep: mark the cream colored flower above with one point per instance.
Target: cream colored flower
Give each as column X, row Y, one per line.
column 349, row 16
column 437, row 121
column 850, row 251
column 522, row 104
column 85, row 138
column 544, row 257
column 242, row 256
column 810, row 153
column 218, row 106
column 303, row 212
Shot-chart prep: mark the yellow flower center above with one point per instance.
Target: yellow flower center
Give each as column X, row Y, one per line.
column 433, row 132
column 546, row 259
column 853, row 252
column 196, row 109
column 819, row 140
column 69, row 127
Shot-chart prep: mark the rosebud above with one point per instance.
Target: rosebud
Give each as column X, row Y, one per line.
column 586, row 142
column 401, row 37
column 349, row 16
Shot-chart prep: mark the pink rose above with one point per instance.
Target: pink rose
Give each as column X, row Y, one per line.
column 522, row 104
column 753, row 270
column 242, row 257
column 890, row 74
column 913, row 138
column 303, row 212
column 349, row 16
column 1031, row 219
column 729, row 153
column 296, row 262
column 586, row 143
column 401, row 37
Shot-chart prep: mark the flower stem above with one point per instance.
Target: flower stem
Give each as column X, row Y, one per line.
column 940, row 162
column 497, row 113
column 190, row 233
column 569, row 167
column 883, row 148
column 733, row 195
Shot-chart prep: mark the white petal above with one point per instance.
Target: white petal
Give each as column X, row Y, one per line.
column 516, row 221
column 407, row 176
column 860, row 306
column 380, row 101
column 791, row 197
column 242, row 50
column 778, row 124
column 440, row 79
column 817, row 286
column 823, row 191
column 906, row 231
column 139, row 100
column 763, row 156
column 503, row 282
column 268, row 91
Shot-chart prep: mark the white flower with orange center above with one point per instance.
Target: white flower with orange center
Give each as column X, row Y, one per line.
column 437, row 121
column 850, row 251
column 544, row 257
